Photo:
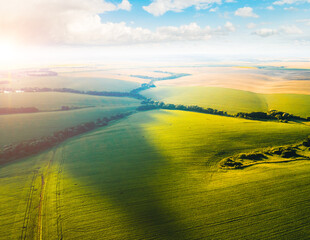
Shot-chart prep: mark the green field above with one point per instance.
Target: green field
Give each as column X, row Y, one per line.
column 155, row 175
column 75, row 82
column 48, row 101
column 232, row 100
column 19, row 127
column 293, row 103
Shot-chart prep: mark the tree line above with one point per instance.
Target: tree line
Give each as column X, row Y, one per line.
column 149, row 104
column 33, row 146
column 272, row 115
column 144, row 86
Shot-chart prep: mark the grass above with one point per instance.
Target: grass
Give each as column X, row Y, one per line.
column 75, row 82
column 297, row 104
column 155, row 175
column 232, row 100
column 226, row 99
column 19, row 127
column 53, row 101
column 19, row 197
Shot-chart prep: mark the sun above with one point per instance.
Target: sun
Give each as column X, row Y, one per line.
column 10, row 54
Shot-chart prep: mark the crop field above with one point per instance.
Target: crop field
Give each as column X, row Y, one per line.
column 155, row 175
column 232, row 100
column 155, row 120
column 20, row 127
column 256, row 78
column 74, row 82
column 293, row 103
column 48, row 101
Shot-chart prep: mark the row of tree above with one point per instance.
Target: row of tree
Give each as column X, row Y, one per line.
column 149, row 104
column 272, row 115
column 144, row 86
column 36, row 145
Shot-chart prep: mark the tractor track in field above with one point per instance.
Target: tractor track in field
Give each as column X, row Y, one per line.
column 28, row 207
column 30, row 199
column 58, row 198
column 44, row 178
column 40, row 208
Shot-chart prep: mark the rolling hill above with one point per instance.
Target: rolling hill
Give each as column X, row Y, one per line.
column 155, row 175
column 232, row 100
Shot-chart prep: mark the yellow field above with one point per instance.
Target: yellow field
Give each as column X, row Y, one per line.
column 155, row 175
column 232, row 100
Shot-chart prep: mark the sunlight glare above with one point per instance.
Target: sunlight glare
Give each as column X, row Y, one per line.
column 9, row 54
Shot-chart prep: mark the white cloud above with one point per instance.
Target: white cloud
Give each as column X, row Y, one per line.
column 305, row 21
column 76, row 22
column 270, row 8
column 71, row 23
column 125, row 5
column 186, row 32
column 46, row 21
column 282, row 2
column 285, row 29
column 160, row 7
column 265, row 32
column 190, row 32
column 230, row 27
column 302, row 42
column 290, row 9
column 213, row 9
column 290, row 29
column 251, row 25
column 245, row 12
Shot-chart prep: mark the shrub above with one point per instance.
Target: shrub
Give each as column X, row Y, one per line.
column 228, row 162
column 289, row 153
column 306, row 142
column 252, row 156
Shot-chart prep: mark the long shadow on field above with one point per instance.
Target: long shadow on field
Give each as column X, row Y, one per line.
column 122, row 166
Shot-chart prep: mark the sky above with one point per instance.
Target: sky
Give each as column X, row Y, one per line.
column 55, row 30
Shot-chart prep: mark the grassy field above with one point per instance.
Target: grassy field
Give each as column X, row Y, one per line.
column 19, row 127
column 232, row 100
column 155, row 175
column 79, row 83
column 47, row 101
column 293, row 103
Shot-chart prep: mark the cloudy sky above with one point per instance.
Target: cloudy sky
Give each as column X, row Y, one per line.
column 137, row 27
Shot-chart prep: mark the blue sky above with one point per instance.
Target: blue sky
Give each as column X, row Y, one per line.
column 224, row 11
column 210, row 27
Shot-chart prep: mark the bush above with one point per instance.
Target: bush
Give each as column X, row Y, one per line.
column 228, row 162
column 277, row 151
column 289, row 153
column 306, row 142
column 252, row 156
